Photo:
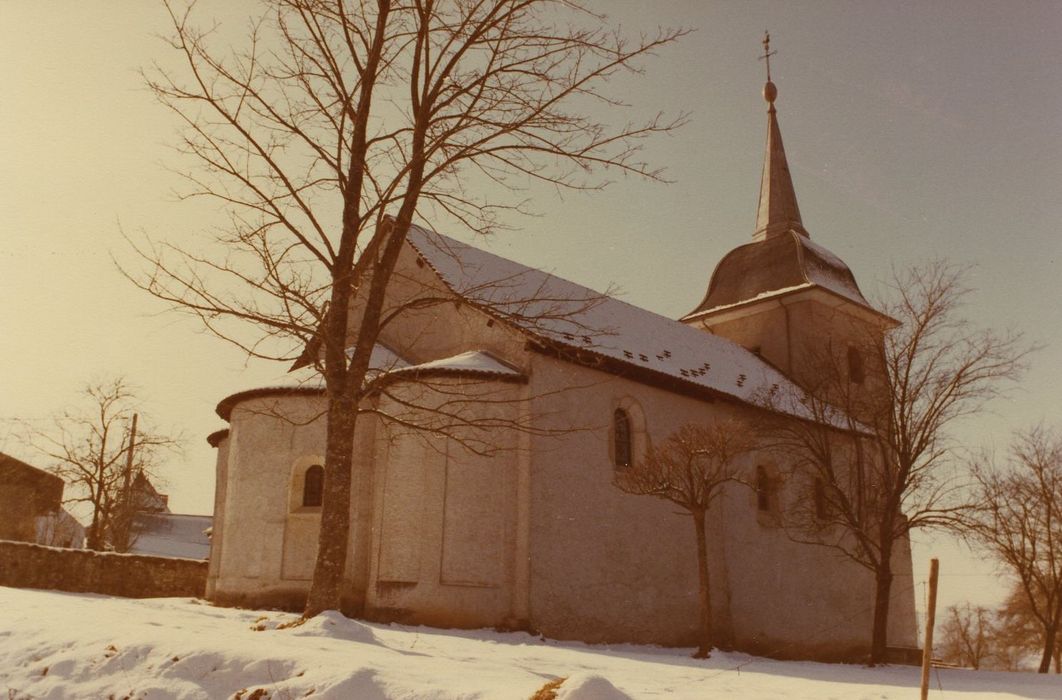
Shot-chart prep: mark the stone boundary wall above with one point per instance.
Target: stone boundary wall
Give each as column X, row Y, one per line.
column 24, row 565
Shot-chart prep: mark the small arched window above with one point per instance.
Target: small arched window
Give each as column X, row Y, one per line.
column 621, row 435
column 819, row 495
column 856, row 373
column 763, row 489
column 313, row 486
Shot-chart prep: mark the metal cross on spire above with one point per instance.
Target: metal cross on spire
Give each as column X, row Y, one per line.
column 767, row 53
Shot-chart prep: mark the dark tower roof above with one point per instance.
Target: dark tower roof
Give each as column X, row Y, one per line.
column 781, row 257
column 779, row 264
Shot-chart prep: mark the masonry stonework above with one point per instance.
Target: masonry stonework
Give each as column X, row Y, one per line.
column 24, row 565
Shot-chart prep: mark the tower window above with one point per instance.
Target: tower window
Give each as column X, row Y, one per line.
column 819, row 495
column 313, row 486
column 763, row 489
column 621, row 435
column 856, row 373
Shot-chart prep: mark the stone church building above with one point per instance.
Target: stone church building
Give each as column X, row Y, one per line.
column 534, row 390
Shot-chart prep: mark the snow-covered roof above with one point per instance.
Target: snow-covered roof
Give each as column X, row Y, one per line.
column 384, row 361
column 472, row 362
column 304, row 380
column 776, row 266
column 172, row 535
column 826, row 270
column 572, row 317
column 576, row 323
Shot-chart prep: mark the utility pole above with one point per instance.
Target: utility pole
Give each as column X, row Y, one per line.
column 931, row 615
column 127, row 510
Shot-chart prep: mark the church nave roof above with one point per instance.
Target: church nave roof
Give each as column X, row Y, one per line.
column 576, row 322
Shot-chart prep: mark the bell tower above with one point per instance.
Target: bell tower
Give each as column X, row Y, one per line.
column 783, row 296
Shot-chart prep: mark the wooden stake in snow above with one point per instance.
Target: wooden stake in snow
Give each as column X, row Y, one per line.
column 931, row 614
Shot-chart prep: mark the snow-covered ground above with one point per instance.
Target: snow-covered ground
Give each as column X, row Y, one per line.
column 67, row 645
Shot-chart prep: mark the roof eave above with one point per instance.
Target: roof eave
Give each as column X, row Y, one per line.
column 225, row 406
column 215, row 438
column 790, row 296
column 414, row 373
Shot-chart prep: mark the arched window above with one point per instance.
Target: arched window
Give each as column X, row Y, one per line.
column 621, row 435
column 819, row 495
column 313, row 486
column 763, row 489
column 856, row 373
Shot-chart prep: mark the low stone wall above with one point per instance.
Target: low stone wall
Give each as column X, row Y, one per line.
column 24, row 565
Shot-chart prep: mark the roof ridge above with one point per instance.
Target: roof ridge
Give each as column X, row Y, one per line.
column 709, row 359
column 801, row 262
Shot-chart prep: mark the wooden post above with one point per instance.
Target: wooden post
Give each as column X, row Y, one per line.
column 931, row 615
column 126, row 524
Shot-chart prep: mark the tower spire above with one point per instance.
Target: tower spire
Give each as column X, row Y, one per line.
column 778, row 211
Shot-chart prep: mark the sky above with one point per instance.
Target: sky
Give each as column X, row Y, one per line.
column 913, row 130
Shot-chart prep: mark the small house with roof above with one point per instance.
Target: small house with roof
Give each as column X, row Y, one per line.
column 526, row 529
column 26, row 494
column 31, row 506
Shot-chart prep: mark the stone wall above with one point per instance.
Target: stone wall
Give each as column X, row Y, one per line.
column 25, row 565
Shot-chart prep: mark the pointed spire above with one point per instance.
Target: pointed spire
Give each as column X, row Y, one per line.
column 778, row 211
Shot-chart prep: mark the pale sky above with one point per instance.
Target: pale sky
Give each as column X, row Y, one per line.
column 913, row 130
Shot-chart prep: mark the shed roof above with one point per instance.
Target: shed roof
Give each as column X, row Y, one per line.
column 16, row 467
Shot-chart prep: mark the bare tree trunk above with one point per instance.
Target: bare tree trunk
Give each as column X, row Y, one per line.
column 1049, row 649
column 95, row 538
column 92, row 540
column 94, row 534
column 334, row 535
column 880, row 632
column 704, row 647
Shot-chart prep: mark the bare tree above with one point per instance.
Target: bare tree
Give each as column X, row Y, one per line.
column 877, row 453
column 690, row 469
column 1019, row 518
column 336, row 113
column 1019, row 634
column 967, row 635
column 88, row 447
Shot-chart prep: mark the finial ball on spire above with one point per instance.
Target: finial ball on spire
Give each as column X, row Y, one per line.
column 770, row 92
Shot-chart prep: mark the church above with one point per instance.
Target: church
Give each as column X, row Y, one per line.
column 483, row 491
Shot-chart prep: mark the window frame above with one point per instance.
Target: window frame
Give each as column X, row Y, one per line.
column 857, row 373
column 766, row 500
column 638, row 432
column 317, row 472
column 764, row 490
column 818, row 498
column 622, row 439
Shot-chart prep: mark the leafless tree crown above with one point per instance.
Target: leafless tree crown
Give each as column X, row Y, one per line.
column 335, row 114
column 878, row 454
column 88, row 447
column 329, row 132
column 1018, row 516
